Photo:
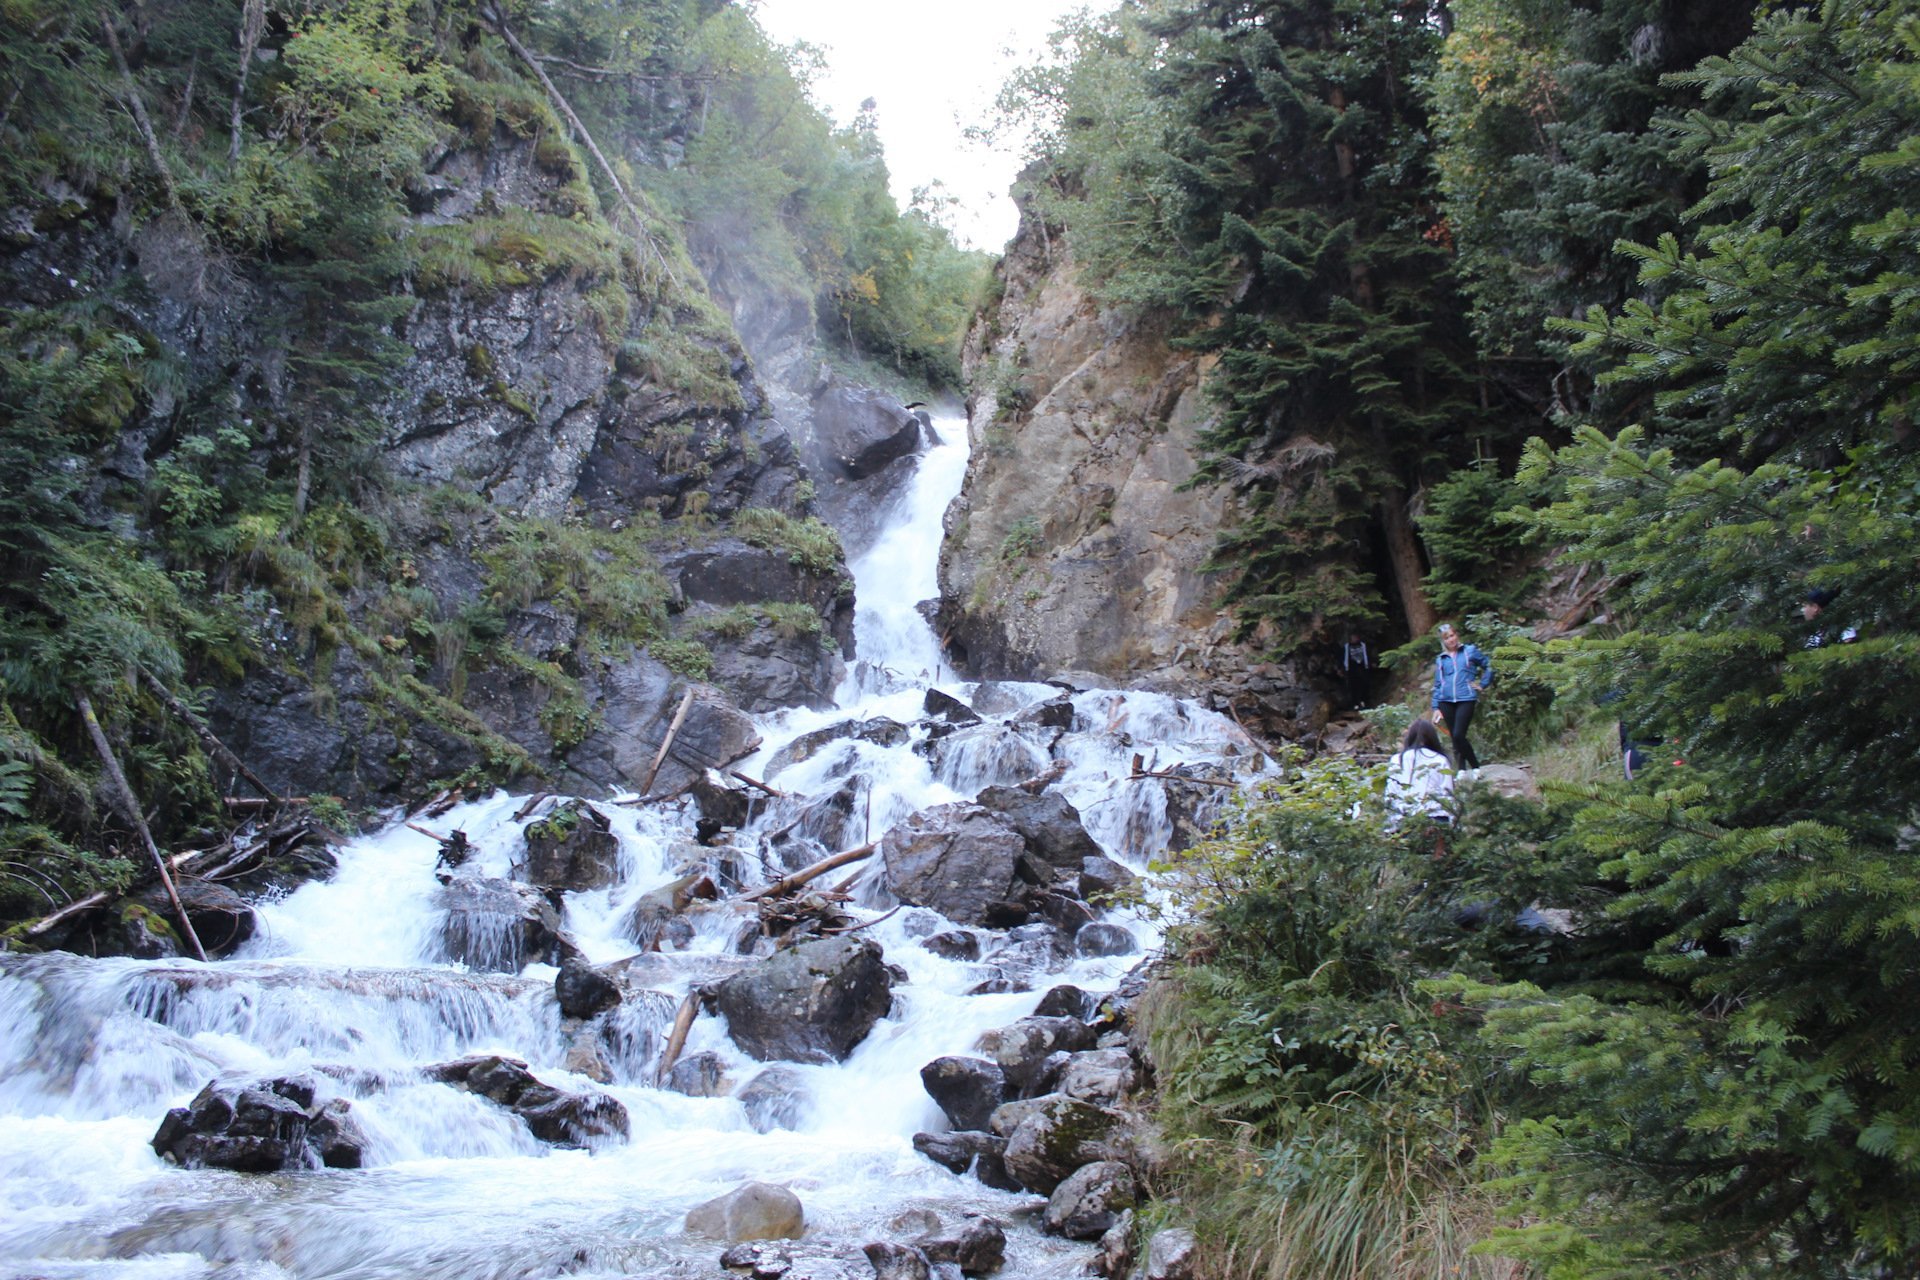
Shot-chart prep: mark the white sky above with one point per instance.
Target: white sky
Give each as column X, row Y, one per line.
column 932, row 67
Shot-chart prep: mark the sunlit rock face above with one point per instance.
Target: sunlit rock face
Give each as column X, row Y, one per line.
column 1073, row 545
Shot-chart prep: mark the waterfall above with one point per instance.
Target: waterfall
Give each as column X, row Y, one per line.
column 347, row 982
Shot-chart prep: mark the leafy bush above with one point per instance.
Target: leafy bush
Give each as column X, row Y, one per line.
column 1326, row 1107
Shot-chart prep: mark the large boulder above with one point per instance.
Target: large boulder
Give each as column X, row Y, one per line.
column 582, row 990
column 221, row 918
column 1021, row 1049
column 572, row 847
column 700, row 1075
column 879, row 730
column 752, row 1211
column 1056, row 1138
column 967, row 1089
column 810, row 1003
column 264, row 1126
column 969, row 1151
column 858, row 431
column 1104, row 938
column 776, row 1098
column 497, row 926
column 1099, row 1076
column 977, row 1246
column 959, row 859
column 553, row 1115
column 1056, row 839
column 1090, row 1201
column 1101, row 877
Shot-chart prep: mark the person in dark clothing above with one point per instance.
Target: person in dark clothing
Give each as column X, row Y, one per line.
column 1356, row 666
column 1460, row 673
column 1815, row 604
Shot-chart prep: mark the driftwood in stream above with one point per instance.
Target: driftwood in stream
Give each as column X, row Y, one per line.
column 677, row 1038
column 787, row 884
column 232, row 859
column 124, row 794
column 1167, row 774
column 666, row 743
column 775, row 792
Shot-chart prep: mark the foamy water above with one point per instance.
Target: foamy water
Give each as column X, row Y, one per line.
column 345, row 982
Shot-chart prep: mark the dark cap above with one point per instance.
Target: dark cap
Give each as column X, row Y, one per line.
column 1821, row 596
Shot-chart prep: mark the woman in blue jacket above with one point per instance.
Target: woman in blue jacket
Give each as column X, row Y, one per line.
column 1459, row 674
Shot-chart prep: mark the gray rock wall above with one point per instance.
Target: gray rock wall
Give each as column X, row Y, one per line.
column 1073, row 545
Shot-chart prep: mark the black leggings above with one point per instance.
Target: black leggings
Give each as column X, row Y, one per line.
column 1458, row 715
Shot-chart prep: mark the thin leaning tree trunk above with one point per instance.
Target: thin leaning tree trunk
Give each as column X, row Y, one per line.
column 253, row 24
column 130, row 92
column 498, row 20
column 124, row 794
column 216, row 748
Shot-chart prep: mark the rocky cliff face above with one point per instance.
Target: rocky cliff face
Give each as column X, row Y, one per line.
column 1074, row 545
column 581, row 502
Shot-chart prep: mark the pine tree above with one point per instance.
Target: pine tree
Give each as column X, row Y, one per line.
column 1748, row 1101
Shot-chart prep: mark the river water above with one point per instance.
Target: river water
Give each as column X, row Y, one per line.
column 344, row 982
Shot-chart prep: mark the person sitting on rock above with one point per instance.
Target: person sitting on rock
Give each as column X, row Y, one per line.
column 1419, row 778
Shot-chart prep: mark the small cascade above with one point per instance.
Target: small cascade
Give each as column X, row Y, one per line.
column 382, row 988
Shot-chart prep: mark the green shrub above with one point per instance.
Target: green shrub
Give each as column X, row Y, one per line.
column 808, row 541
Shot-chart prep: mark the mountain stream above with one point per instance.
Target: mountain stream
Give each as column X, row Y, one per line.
column 345, row 982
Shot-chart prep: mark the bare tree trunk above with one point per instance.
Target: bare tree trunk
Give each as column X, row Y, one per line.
column 130, row 92
column 124, row 794
column 303, row 477
column 789, row 883
column 666, row 743
column 186, row 99
column 1403, row 556
column 253, row 24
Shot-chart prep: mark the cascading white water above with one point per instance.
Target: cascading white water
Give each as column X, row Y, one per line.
column 345, row 982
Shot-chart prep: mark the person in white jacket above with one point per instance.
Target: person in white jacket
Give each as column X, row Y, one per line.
column 1419, row 778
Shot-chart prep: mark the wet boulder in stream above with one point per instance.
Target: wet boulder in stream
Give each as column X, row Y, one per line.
column 969, row 1151
column 809, row 1003
column 977, row 1246
column 583, row 990
column 1021, row 1050
column 1090, row 1201
column 1057, row 842
column 498, row 926
column 776, row 1098
column 262, row 1126
column 1055, row 1136
column 967, row 1089
column 572, row 848
column 553, row 1115
column 959, row 859
column 751, row 1211
column 878, row 730
column 221, row 918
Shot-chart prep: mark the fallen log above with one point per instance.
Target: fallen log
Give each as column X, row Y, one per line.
column 124, row 794
column 775, row 792
column 666, row 743
column 837, row 933
column 1168, row 775
column 677, row 1038
column 218, row 749
column 526, row 810
column 787, row 884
